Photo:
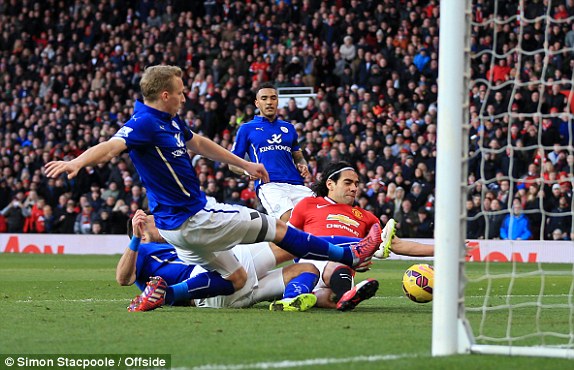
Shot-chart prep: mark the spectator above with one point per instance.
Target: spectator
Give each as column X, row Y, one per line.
column 97, row 228
column 137, row 196
column 83, row 224
column 494, row 218
column 35, row 221
column 76, row 91
column 47, row 220
column 416, row 196
column 516, row 225
column 407, row 220
column 66, row 221
column 111, row 191
column 558, row 234
column 15, row 214
column 475, row 225
column 399, row 197
column 560, row 218
column 347, row 50
column 249, row 196
column 425, row 227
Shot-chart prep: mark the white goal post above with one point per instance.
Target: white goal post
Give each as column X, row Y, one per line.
column 452, row 331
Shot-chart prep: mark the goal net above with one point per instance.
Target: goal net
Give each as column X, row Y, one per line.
column 506, row 113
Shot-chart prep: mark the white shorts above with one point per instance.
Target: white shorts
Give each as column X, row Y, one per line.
column 262, row 284
column 278, row 198
column 217, row 228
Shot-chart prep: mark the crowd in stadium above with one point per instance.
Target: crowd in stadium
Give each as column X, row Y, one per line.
column 70, row 69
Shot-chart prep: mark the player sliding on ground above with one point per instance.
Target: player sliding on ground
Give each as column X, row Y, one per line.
column 333, row 212
column 202, row 231
column 148, row 255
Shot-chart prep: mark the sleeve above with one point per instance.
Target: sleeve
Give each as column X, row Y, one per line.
column 503, row 229
column 187, row 133
column 136, row 134
column 297, row 219
column 240, row 145
column 373, row 220
column 526, row 233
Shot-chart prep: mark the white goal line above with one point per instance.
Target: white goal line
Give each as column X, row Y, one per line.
column 301, row 363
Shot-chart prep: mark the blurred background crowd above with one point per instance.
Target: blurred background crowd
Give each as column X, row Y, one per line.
column 70, row 69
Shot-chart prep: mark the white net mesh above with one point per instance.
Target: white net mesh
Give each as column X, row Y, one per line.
column 521, row 171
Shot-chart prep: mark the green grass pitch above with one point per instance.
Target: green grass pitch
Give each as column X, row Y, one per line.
column 71, row 304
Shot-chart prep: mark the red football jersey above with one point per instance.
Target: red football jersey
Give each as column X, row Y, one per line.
column 321, row 216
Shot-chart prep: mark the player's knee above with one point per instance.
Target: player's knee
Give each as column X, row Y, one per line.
column 280, row 230
column 308, row 267
column 238, row 278
column 296, row 269
column 335, row 268
column 286, row 216
column 337, row 274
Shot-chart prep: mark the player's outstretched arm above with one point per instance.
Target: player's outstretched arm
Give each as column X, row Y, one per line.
column 207, row 148
column 411, row 248
column 100, row 153
column 126, row 268
column 301, row 163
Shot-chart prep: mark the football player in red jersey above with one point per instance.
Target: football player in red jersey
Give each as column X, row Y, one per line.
column 333, row 212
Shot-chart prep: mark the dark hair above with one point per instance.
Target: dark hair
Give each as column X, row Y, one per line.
column 331, row 172
column 265, row 85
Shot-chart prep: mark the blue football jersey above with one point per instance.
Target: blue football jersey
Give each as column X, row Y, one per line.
column 157, row 146
column 160, row 259
column 272, row 144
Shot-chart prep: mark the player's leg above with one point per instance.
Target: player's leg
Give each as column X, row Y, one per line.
column 392, row 243
column 205, row 239
column 210, row 283
column 389, row 242
column 305, row 245
column 276, row 201
column 325, row 298
column 339, row 278
column 299, row 279
column 279, row 199
column 335, row 287
column 221, row 226
column 280, row 254
column 200, row 285
column 252, row 257
column 360, row 292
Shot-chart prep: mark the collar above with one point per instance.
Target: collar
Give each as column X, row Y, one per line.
column 140, row 107
column 329, row 200
column 261, row 119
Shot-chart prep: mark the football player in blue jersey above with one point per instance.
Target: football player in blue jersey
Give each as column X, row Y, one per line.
column 202, row 230
column 148, row 255
column 273, row 143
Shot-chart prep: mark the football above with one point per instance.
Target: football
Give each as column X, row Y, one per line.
column 418, row 281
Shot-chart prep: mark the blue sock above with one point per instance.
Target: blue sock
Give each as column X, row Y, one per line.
column 341, row 240
column 304, row 283
column 204, row 285
column 305, row 245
